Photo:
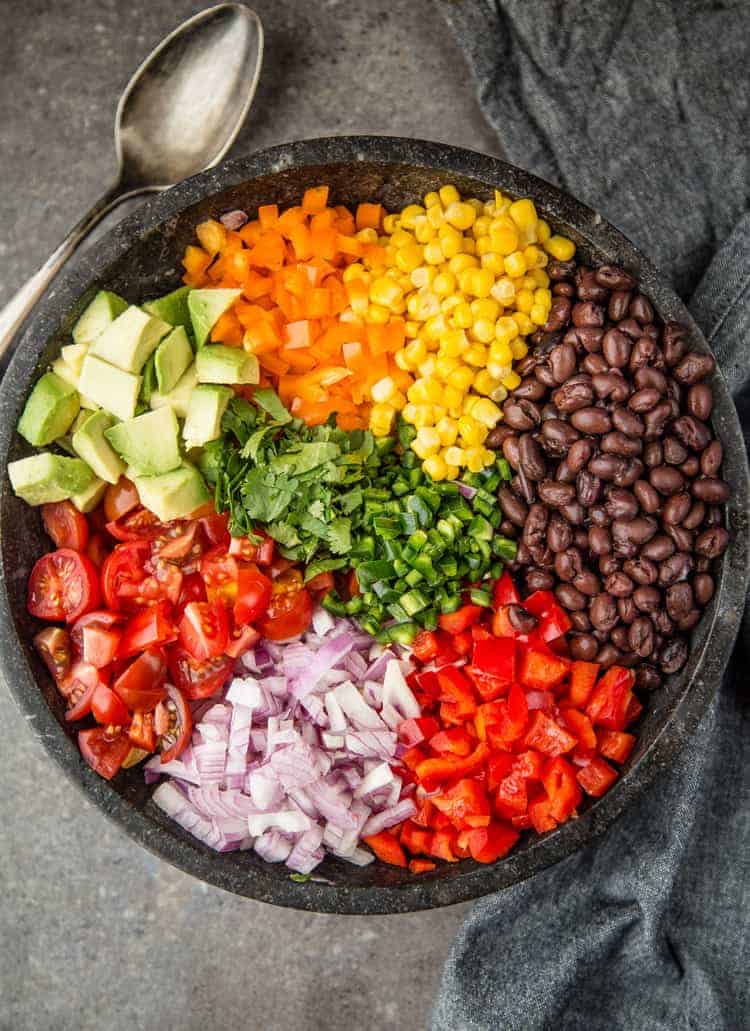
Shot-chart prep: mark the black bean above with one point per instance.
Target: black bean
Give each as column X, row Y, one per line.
column 508, row 529
column 648, row 497
column 562, row 361
column 535, row 526
column 700, row 401
column 616, row 347
column 640, row 309
column 573, row 395
column 521, row 620
column 586, row 313
column 619, row 302
column 656, row 419
column 511, row 452
column 564, row 473
column 644, row 400
column 521, row 415
column 579, row 454
column 574, row 512
column 562, row 289
column 568, row 564
column 539, row 580
column 588, row 487
column 675, row 452
column 712, row 542
column 641, row 636
column 710, row 489
column 693, row 433
column 642, row 570
column 619, row 638
column 676, row 508
column 695, row 516
column 581, row 539
column 532, row 459
column 587, row 582
column 636, row 531
column 631, row 327
column 589, row 338
column 530, row 389
column 606, row 467
column 617, row 443
column 689, row 620
column 646, row 598
column 658, row 548
column 587, row 287
column 648, row 378
column 644, row 353
column 679, row 598
column 662, row 622
column 513, row 508
column 554, row 493
column 559, row 314
column 653, row 454
column 608, row 656
column 711, row 459
column 561, row 269
column 603, row 612
column 673, row 342
column 690, row 467
column 666, row 479
column 594, row 363
column 570, row 597
column 619, row 584
column 673, row 655
column 694, row 367
column 627, row 610
column 580, row 621
column 703, row 589
column 621, row 504
column 627, row 422
column 682, row 538
column 557, row 437
column 647, row 678
column 714, row 516
column 583, row 647
column 675, row 568
column 612, row 385
column 614, row 277
column 559, row 533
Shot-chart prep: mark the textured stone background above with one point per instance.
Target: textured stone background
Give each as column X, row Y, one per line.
column 94, row 933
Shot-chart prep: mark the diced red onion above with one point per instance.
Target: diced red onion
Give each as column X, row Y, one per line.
column 233, row 220
column 465, row 490
column 396, row 691
column 273, row 847
column 390, row 817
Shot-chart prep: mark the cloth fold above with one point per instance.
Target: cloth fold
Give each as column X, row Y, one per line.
column 640, row 109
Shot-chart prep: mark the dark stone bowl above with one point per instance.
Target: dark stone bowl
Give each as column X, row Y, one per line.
column 139, row 259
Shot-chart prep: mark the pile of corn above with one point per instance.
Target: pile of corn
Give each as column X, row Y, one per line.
column 468, row 277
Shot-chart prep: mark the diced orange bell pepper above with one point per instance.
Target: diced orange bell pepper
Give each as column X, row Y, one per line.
column 417, row 866
column 387, row 848
column 369, row 216
column 315, row 199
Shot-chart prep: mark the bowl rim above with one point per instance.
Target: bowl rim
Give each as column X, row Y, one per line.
column 419, row 894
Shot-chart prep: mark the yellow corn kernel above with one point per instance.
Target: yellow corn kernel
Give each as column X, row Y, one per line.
column 460, row 262
column 434, row 389
column 448, row 195
column 435, row 216
column 540, row 277
column 438, row 412
column 503, row 236
column 453, row 343
column 519, row 348
column 409, row 257
column 481, row 226
column 466, row 280
column 494, row 262
column 417, row 394
column 560, row 248
column 483, row 330
column 431, row 199
column 504, row 290
column 482, row 246
column 391, row 223
column 486, row 411
column 501, row 351
column 444, row 366
column 427, row 305
column 447, row 430
column 461, row 378
column 476, row 355
column 426, row 442
column 538, row 314
column 515, row 264
column 212, row 236
column 411, row 329
column 435, row 467
column 378, row 315
column 499, row 394
column 381, row 419
column 524, row 213
column 427, row 368
column 415, row 353
column 527, row 282
column 410, row 214
column 397, row 400
column 424, row 416
column 543, row 297
column 423, row 231
column 355, row 271
column 470, row 246
column 485, row 308
column 484, row 383
column 367, row 235
column 451, row 243
column 444, row 283
column 435, row 326
column 524, row 323
column 454, row 456
column 422, row 277
column 484, row 280
column 462, row 317
column 409, row 413
column 385, row 292
column 453, row 400
column 400, row 360
column 475, row 203
column 460, row 215
column 449, row 303
column 506, row 328
column 511, row 381
column 383, row 390
column 474, row 433
column 433, row 253
column 543, row 231
column 534, row 256
column 498, row 370
column 524, row 301
column 474, row 459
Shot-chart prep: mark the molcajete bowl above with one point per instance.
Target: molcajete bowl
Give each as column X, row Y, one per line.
column 140, row 258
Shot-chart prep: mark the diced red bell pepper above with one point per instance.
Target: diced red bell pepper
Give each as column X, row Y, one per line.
column 511, row 798
column 413, row 757
column 546, row 735
column 633, row 710
column 488, row 844
column 460, row 620
column 580, row 725
column 421, row 866
column 425, row 683
column 415, row 839
column 443, row 845
column 465, row 804
column 540, row 603
column 615, row 744
column 608, row 705
column 496, row 656
column 425, row 646
column 542, row 670
column 451, row 714
column 521, row 822
column 415, row 731
column 582, row 679
column 425, row 812
column 553, row 620
column 480, row 633
column 529, row 764
column 455, row 741
column 504, row 592
column 508, row 718
column 463, row 643
column 456, row 689
column 559, row 780
column 433, row 772
column 498, row 767
column 489, row 687
column 387, row 848
column 446, row 653
column 541, row 816
column 502, row 626
column 597, row 777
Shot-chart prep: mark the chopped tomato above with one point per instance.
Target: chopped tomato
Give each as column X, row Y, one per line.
column 192, row 589
column 54, row 647
column 141, row 732
column 259, row 550
column 119, row 499
column 108, row 708
column 204, row 630
column 122, row 574
column 241, row 641
column 105, row 752
column 65, row 525
column 173, row 722
column 321, row 584
column 97, row 549
column 152, row 626
column 78, row 688
column 288, row 615
column 198, row 679
column 215, row 527
column 138, row 525
column 460, row 620
column 100, row 645
column 63, row 585
column 253, row 595
column 141, row 686
column 220, row 573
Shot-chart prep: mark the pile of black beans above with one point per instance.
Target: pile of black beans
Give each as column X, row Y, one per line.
column 616, row 499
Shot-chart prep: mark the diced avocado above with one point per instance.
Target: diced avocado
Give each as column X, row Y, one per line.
column 149, row 443
column 206, row 308
column 51, row 408
column 220, row 364
column 172, row 308
column 129, row 341
column 116, row 391
column 64, row 371
column 47, row 477
column 87, row 499
column 207, row 406
column 148, row 385
column 171, row 358
column 104, row 309
column 175, row 494
column 73, row 355
column 90, row 443
column 179, row 398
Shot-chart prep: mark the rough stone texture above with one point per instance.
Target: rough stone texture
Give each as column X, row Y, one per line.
column 94, row 932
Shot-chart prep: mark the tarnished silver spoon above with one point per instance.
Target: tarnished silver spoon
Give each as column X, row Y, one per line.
column 179, row 114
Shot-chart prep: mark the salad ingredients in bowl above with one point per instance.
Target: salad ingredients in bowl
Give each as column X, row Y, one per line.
column 371, row 537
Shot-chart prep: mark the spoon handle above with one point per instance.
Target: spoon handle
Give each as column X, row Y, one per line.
column 14, row 313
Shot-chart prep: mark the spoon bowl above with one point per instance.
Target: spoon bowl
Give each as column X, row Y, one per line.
column 184, row 106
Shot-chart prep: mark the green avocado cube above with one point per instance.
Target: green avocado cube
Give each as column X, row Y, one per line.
column 112, row 388
column 86, row 500
column 179, row 397
column 172, row 307
column 206, row 308
column 90, row 444
column 175, row 494
column 171, row 358
column 129, row 341
column 47, row 477
column 219, row 364
column 50, row 410
column 149, row 443
column 103, row 310
column 205, row 410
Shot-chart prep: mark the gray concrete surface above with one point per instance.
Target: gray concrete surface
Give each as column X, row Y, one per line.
column 96, row 935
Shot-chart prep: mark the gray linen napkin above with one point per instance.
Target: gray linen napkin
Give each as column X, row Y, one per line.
column 641, row 109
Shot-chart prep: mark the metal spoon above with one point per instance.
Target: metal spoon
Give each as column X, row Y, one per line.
column 178, row 115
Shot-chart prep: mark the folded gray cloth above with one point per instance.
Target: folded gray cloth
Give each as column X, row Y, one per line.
column 641, row 110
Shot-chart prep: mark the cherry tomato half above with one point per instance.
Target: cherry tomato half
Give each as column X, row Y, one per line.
column 289, row 613
column 54, row 647
column 174, row 724
column 260, row 550
column 198, row 679
column 138, row 525
column 78, row 688
column 103, row 751
column 141, row 686
column 220, row 573
column 204, row 629
column 63, row 585
column 149, row 627
column 107, row 708
column 253, row 596
column 122, row 572
column 141, row 733
column 65, row 525
column 241, row 641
